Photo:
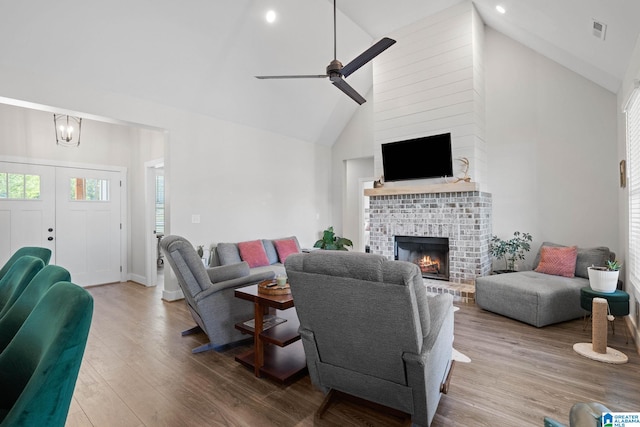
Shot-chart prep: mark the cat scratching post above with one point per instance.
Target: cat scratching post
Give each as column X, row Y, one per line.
column 598, row 350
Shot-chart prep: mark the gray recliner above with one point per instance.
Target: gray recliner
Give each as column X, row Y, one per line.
column 209, row 293
column 370, row 330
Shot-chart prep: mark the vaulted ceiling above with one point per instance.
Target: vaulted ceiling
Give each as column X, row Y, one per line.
column 560, row 30
column 202, row 55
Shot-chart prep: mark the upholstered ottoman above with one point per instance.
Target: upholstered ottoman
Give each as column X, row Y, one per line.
column 535, row 298
column 540, row 299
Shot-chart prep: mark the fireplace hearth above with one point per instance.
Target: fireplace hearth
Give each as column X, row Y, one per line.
column 431, row 254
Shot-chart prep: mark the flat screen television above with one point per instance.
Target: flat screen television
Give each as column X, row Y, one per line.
column 419, row 158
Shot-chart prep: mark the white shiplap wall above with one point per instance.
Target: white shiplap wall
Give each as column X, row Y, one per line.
column 430, row 82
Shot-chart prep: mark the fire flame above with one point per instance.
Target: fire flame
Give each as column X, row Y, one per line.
column 428, row 264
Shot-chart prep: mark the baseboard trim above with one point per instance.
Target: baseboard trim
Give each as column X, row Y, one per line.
column 174, row 295
column 138, row 279
column 631, row 329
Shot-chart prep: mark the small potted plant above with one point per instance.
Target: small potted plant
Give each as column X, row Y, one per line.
column 330, row 241
column 604, row 279
column 511, row 250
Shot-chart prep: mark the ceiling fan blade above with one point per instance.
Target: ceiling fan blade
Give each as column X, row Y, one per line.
column 367, row 56
column 300, row 76
column 346, row 88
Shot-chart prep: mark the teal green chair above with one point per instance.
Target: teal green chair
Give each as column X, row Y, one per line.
column 20, row 310
column 16, row 280
column 39, row 367
column 43, row 253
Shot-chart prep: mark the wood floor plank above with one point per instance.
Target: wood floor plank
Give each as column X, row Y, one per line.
column 139, row 371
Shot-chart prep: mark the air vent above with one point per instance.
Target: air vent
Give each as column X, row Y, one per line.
column 598, row 29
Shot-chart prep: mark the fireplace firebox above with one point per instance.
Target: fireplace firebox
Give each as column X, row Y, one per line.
column 431, row 254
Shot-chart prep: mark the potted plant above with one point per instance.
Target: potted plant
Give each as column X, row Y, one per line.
column 332, row 242
column 511, row 250
column 604, row 279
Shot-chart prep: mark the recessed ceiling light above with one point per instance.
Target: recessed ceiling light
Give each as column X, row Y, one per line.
column 271, row 16
column 501, row 9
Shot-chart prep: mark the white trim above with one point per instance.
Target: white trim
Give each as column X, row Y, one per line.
column 136, row 278
column 632, row 95
column 174, row 295
column 361, row 202
column 61, row 163
column 50, row 109
column 151, row 266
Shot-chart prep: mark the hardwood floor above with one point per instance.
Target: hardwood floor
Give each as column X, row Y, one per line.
column 139, row 371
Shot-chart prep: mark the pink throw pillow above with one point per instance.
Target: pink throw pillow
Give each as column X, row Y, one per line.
column 253, row 253
column 559, row 261
column 285, row 248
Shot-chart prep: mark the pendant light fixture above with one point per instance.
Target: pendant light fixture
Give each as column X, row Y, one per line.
column 67, row 130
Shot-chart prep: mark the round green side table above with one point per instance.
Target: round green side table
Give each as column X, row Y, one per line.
column 618, row 302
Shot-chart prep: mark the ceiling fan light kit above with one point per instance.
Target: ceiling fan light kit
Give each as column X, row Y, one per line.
column 336, row 72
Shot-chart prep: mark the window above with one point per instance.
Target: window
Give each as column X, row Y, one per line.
column 89, row 189
column 19, row 186
column 633, row 169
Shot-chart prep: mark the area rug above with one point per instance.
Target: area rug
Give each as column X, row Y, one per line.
column 457, row 356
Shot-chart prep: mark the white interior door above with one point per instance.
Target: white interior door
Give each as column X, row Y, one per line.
column 88, row 224
column 27, row 208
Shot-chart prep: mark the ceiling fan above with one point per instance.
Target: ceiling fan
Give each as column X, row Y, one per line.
column 336, row 72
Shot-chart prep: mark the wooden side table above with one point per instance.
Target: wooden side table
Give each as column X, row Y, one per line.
column 277, row 352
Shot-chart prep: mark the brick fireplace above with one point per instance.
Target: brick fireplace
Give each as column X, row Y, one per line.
column 462, row 217
column 434, row 84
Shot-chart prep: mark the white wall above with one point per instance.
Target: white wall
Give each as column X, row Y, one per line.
column 551, row 146
column 149, row 146
column 243, row 182
column 552, row 149
column 29, row 134
column 354, row 143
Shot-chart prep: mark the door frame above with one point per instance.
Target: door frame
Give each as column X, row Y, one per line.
column 363, row 183
column 151, row 242
column 124, row 191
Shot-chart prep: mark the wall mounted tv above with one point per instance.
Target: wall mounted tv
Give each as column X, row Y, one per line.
column 419, row 158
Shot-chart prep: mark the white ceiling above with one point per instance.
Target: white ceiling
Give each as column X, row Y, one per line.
column 201, row 55
column 558, row 29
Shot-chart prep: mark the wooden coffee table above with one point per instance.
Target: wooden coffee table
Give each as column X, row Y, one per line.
column 278, row 353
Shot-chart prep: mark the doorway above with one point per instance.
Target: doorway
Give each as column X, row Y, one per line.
column 75, row 212
column 154, row 221
column 365, row 223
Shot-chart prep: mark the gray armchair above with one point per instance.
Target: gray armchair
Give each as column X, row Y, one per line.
column 209, row 293
column 370, row 330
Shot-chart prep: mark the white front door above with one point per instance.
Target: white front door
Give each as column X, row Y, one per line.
column 88, row 224
column 27, row 208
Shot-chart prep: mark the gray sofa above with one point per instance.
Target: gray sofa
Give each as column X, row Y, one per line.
column 370, row 330
column 536, row 298
column 228, row 253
